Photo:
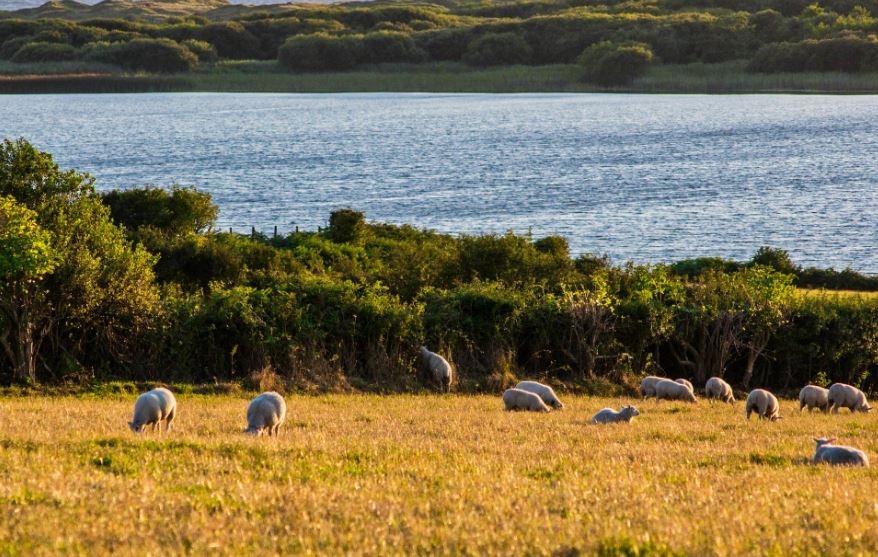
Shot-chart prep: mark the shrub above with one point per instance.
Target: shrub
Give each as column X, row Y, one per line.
column 496, row 49
column 320, row 52
column 347, row 226
column 202, row 49
column 178, row 212
column 231, row 40
column 609, row 63
column 390, row 46
column 13, row 45
column 844, row 54
column 150, row 55
column 44, row 52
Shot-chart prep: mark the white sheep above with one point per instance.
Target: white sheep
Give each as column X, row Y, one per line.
column 838, row 454
column 848, row 397
column 686, row 383
column 545, row 392
column 266, row 413
column 518, row 399
column 647, row 386
column 671, row 390
column 152, row 408
column 716, row 388
column 439, row 368
column 610, row 416
column 764, row 404
column 813, row 396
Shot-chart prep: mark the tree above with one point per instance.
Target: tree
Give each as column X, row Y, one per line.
column 91, row 304
column 26, row 256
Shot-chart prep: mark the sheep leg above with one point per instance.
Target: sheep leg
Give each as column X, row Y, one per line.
column 169, row 419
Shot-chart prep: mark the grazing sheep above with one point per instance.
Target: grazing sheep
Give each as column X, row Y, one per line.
column 610, row 416
column 647, row 386
column 545, row 392
column 813, row 396
column 151, row 408
column 686, row 383
column 716, row 388
column 518, row 399
column 847, row 396
column 838, row 454
column 266, row 413
column 671, row 390
column 764, row 404
column 439, row 368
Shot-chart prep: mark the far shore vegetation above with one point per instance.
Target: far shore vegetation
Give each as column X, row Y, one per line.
column 664, row 46
column 443, row 77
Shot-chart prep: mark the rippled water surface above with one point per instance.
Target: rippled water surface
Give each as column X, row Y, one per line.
column 642, row 177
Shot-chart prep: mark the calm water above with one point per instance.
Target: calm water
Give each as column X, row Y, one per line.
column 642, row 177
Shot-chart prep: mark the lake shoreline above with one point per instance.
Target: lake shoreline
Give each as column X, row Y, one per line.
column 267, row 77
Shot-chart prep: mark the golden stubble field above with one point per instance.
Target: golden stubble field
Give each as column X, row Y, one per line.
column 404, row 475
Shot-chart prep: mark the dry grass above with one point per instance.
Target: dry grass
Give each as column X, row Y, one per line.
column 404, row 475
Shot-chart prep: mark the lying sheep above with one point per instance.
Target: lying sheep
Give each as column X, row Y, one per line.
column 647, row 386
column 151, row 408
column 764, row 404
column 716, row 388
column 813, row 396
column 518, row 399
column 671, row 390
column 266, row 413
column 439, row 368
column 838, row 454
column 545, row 392
column 848, row 397
column 610, row 416
column 686, row 383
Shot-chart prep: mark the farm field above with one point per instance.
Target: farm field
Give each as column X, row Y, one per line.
column 429, row 474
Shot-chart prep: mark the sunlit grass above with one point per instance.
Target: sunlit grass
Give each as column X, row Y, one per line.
column 370, row 475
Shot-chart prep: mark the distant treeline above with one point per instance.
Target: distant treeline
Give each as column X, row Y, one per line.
column 136, row 284
column 775, row 35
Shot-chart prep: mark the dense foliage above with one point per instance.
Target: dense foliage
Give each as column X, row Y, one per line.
column 774, row 35
column 160, row 295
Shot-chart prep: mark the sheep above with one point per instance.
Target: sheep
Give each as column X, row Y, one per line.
column 686, row 383
column 847, row 396
column 764, row 404
column 814, row 396
column 266, row 413
column 439, row 368
column 671, row 390
column 826, row 452
column 716, row 388
column 518, row 399
column 610, row 416
column 545, row 392
column 152, row 408
column 647, row 386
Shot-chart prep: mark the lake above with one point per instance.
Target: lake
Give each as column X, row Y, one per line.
column 638, row 177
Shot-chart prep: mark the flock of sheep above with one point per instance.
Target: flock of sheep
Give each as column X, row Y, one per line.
column 536, row 397
column 267, row 412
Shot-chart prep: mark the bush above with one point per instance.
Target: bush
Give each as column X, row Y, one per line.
column 843, row 54
column 150, row 55
column 202, row 49
column 320, row 52
column 608, row 63
column 13, row 45
column 390, row 46
column 231, row 40
column 496, row 49
column 44, row 52
column 347, row 226
column 176, row 213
